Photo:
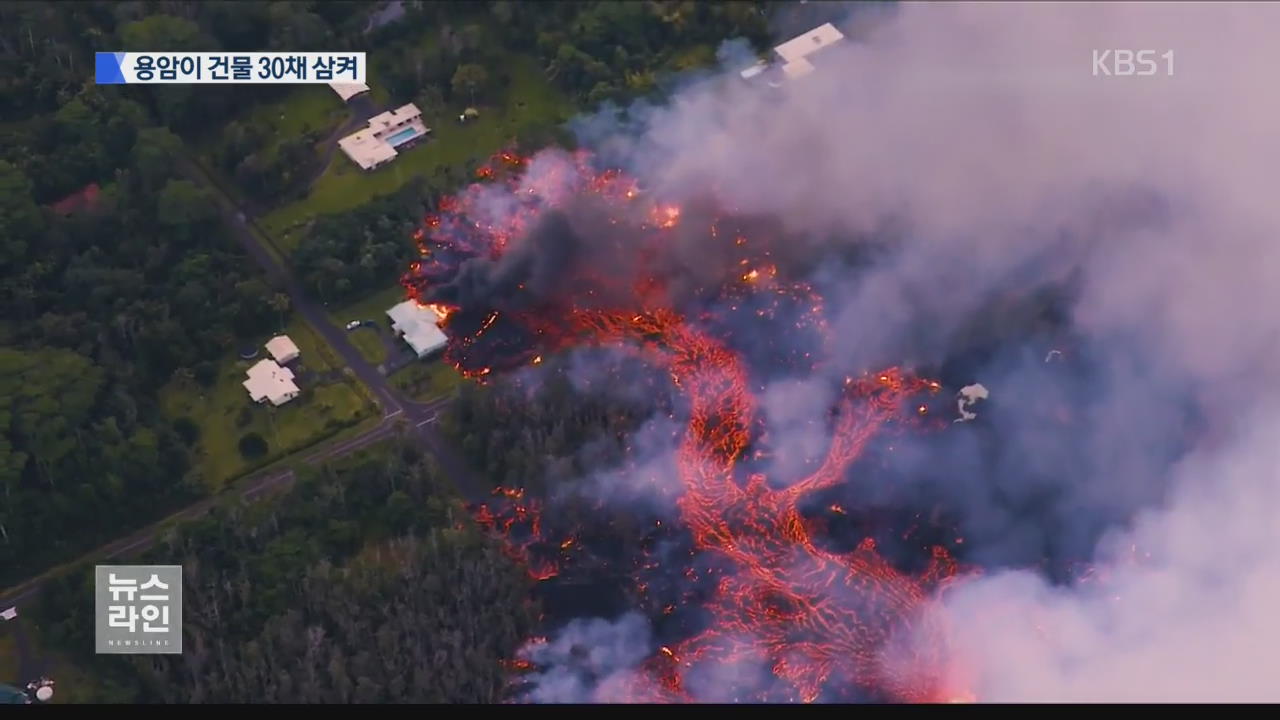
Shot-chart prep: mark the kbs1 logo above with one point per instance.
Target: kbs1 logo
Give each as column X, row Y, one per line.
column 138, row 609
column 1126, row 63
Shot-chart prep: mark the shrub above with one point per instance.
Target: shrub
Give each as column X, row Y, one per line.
column 187, row 430
column 206, row 373
column 253, row 446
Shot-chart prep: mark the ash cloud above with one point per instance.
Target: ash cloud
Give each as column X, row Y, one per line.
column 980, row 136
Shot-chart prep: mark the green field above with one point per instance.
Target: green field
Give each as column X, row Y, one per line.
column 368, row 341
column 530, row 102
column 373, row 308
column 316, row 353
column 306, row 109
column 427, row 380
column 224, row 413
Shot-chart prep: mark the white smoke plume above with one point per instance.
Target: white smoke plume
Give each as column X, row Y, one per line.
column 982, row 135
column 589, row 660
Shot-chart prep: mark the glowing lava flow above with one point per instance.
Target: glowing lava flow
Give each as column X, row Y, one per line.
column 810, row 614
column 815, row 619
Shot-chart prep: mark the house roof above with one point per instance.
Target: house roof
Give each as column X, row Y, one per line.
column 85, row 197
column 346, row 91
column 797, row 68
column 418, row 325
column 281, row 346
column 800, row 47
column 365, row 149
column 391, row 118
column 271, row 381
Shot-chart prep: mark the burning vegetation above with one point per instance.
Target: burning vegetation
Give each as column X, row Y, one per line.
column 548, row 255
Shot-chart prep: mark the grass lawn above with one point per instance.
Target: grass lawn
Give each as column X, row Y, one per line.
column 224, row 412
column 530, row 101
column 305, row 109
column 316, row 353
column 372, row 308
column 367, row 341
column 426, row 380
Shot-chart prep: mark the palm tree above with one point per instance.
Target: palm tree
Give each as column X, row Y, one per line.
column 280, row 303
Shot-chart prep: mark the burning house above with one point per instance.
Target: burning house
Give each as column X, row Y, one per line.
column 417, row 325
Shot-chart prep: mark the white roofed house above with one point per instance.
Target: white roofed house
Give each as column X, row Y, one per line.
column 268, row 382
column 803, row 47
column 346, row 91
column 366, row 150
column 379, row 142
column 283, row 349
column 795, row 57
column 418, row 326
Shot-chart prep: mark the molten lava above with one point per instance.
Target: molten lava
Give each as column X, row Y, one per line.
column 817, row 619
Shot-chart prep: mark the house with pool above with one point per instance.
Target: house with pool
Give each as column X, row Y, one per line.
column 386, row 134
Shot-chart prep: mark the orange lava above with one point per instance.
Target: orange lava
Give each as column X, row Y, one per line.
column 815, row 618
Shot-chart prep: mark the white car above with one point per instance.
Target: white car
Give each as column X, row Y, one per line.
column 353, row 324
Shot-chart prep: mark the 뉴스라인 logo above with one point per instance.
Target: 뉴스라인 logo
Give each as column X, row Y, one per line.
column 138, row 609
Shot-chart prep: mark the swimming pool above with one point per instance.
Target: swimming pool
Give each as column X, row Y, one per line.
column 402, row 136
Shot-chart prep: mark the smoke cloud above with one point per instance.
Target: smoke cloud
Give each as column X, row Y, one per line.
column 976, row 144
column 589, row 660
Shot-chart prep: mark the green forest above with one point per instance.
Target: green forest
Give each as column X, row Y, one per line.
column 99, row 307
column 366, row 582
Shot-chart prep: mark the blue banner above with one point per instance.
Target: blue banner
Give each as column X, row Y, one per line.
column 107, row 70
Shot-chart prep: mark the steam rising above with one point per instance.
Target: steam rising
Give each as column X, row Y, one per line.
column 978, row 141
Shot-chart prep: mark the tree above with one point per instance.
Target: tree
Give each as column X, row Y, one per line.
column 205, row 373
column 294, row 31
column 430, row 101
column 187, row 430
column 469, row 78
column 181, row 106
column 280, row 303
column 49, row 394
column 20, row 218
column 252, row 446
column 184, row 207
column 154, row 154
column 355, row 584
